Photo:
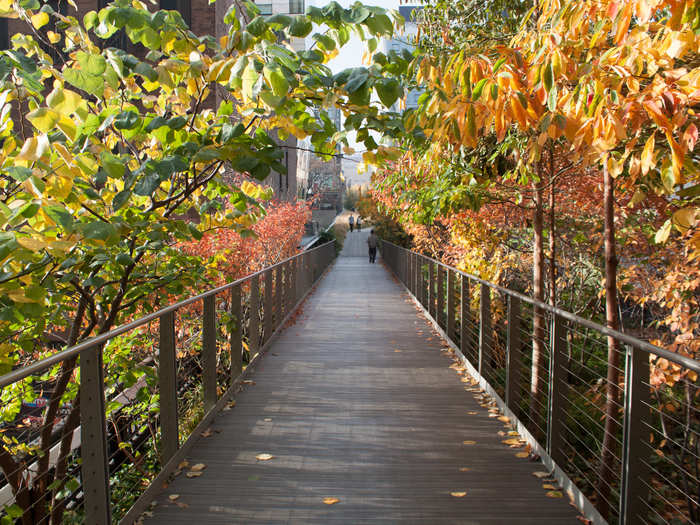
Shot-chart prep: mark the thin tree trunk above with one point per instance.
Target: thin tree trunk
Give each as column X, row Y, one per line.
column 538, row 321
column 607, row 474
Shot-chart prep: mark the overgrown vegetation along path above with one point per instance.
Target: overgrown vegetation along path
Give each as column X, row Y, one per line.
column 356, row 402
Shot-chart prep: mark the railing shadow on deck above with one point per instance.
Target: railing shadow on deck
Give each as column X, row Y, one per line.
column 119, row 434
column 550, row 377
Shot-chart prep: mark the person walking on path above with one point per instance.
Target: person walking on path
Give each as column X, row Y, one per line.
column 359, row 223
column 351, row 222
column 372, row 244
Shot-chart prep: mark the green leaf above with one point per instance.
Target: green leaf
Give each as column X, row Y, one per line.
column 356, row 15
column 99, row 230
column 357, row 79
column 120, row 199
column 60, row 216
column 548, row 76
column 279, row 19
column 114, row 167
column 126, row 120
column 478, row 89
column 552, row 99
column 388, row 90
column 494, row 91
column 300, row 27
column 257, row 26
column 277, row 80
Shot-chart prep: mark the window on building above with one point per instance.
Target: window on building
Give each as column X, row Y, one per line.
column 4, row 35
column 265, row 9
column 184, row 7
column 296, row 6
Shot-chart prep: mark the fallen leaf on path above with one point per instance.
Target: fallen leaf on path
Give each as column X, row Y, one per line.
column 183, row 465
column 173, row 497
column 193, row 474
column 468, row 442
column 472, row 413
column 555, row 494
column 540, row 474
column 207, row 433
column 267, row 419
column 397, row 350
column 248, row 382
column 513, row 433
column 181, row 505
column 458, row 494
column 199, row 467
column 549, row 486
column 330, row 501
column 264, row 457
column 464, row 469
column 504, row 419
column 522, row 454
column 512, row 441
column 232, row 404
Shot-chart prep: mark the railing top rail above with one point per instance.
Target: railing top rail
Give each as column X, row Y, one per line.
column 687, row 362
column 42, row 365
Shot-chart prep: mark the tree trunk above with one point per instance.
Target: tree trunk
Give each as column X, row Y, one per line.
column 607, row 473
column 538, row 321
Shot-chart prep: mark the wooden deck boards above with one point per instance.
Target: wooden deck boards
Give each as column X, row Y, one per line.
column 346, row 416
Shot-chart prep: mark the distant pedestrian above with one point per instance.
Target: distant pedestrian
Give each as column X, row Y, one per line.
column 372, row 245
column 351, row 222
column 359, row 223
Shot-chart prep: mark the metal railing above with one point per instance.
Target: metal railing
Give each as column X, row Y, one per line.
column 85, row 439
column 547, row 369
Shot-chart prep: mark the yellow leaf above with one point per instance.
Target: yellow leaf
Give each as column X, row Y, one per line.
column 19, row 297
column 173, row 497
column 34, row 148
column 264, row 457
column 548, row 486
column 198, row 467
column 522, row 455
column 40, row 19
column 648, row 160
column 30, row 243
column 54, row 38
column 685, row 218
column 469, row 442
column 330, row 501
column 458, row 494
column 554, row 494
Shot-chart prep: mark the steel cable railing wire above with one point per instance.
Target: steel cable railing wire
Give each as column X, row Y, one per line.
column 647, row 481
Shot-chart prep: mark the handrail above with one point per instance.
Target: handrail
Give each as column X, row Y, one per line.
column 679, row 359
column 44, row 364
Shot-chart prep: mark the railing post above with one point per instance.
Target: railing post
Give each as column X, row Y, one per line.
column 209, row 351
column 432, row 309
column 295, row 281
column 464, row 316
column 513, row 355
column 254, row 323
column 635, row 452
column 557, row 376
column 485, row 335
column 450, row 304
column 167, row 387
column 93, row 438
column 278, row 295
column 267, row 308
column 416, row 277
column 440, row 317
column 235, row 337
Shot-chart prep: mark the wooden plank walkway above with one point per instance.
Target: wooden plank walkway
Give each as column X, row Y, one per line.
column 356, row 401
